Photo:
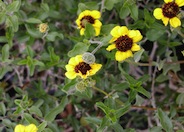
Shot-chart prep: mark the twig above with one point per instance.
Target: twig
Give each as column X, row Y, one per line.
column 100, row 44
column 102, row 6
column 153, row 92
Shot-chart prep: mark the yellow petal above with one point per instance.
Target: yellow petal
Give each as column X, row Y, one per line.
column 114, row 31
column 179, row 2
column 94, row 68
column 135, row 35
column 82, row 31
column 120, row 56
column 19, row 128
column 78, row 22
column 81, row 15
column 78, row 59
column 167, row 1
column 175, row 22
column 165, row 20
column 83, row 76
column 72, row 61
column 135, row 47
column 70, row 67
column 113, row 39
column 86, row 12
column 70, row 74
column 97, row 31
column 123, row 31
column 95, row 14
column 111, row 47
column 158, row 13
column 97, row 24
column 31, row 128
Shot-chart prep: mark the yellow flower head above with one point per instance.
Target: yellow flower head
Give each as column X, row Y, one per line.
column 125, row 41
column 29, row 128
column 43, row 27
column 169, row 11
column 77, row 67
column 91, row 17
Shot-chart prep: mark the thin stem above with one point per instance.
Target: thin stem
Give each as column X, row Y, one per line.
column 100, row 44
column 101, row 91
column 102, row 6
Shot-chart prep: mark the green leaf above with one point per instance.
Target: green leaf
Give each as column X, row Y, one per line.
column 42, row 126
column 161, row 78
column 22, row 62
column 78, row 49
column 45, row 7
column 109, row 4
column 52, row 36
column 54, row 112
column 53, row 56
column 138, row 54
column 3, row 39
column 143, row 91
column 33, row 20
column 89, row 30
column 87, row 6
column 7, row 122
column 130, row 79
column 165, row 121
column 39, row 103
column 134, row 11
column 34, row 32
column 132, row 95
column 69, row 86
column 35, row 110
column 14, row 22
column 124, row 12
column 103, row 107
column 154, row 34
column 30, row 119
column 139, row 100
column 156, row 129
column 105, row 122
column 117, row 127
column 120, row 112
column 5, row 52
column 148, row 18
column 93, row 120
column 14, row 6
column 29, row 51
column 2, row 108
column 180, row 99
column 4, row 70
column 182, row 52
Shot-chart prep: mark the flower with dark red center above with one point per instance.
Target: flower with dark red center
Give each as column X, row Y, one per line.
column 82, row 67
column 125, row 41
column 169, row 11
column 77, row 67
column 91, row 17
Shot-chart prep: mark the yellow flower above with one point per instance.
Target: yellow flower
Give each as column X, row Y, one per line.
column 125, row 41
column 43, row 27
column 91, row 17
column 29, row 128
column 77, row 67
column 169, row 11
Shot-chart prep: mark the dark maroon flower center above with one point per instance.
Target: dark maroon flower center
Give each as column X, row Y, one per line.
column 87, row 19
column 82, row 67
column 124, row 43
column 170, row 9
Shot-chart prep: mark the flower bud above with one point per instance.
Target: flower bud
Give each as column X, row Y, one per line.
column 88, row 58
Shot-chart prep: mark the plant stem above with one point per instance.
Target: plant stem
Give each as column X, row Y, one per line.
column 101, row 91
